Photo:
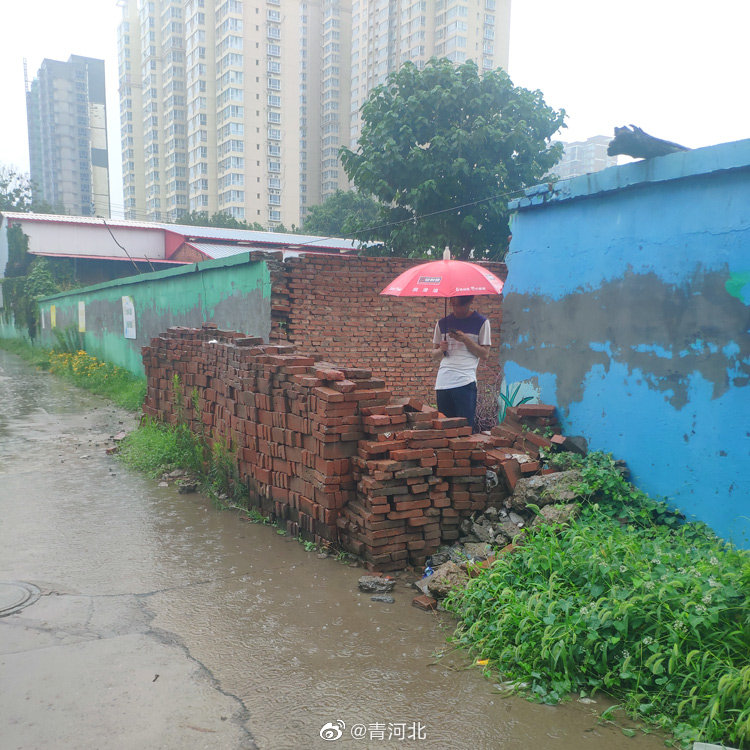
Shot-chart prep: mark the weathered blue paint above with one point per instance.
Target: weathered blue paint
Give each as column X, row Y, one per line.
column 627, row 305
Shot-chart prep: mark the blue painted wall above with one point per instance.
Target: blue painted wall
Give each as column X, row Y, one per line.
column 627, row 305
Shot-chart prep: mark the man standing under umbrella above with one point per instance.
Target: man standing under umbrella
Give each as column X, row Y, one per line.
column 460, row 341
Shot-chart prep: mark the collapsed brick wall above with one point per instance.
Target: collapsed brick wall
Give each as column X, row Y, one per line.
column 326, row 448
column 330, row 305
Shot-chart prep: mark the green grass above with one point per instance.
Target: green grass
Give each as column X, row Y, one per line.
column 155, row 448
column 112, row 382
column 34, row 355
column 656, row 615
column 82, row 370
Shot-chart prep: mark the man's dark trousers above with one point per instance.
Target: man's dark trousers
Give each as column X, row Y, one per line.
column 459, row 402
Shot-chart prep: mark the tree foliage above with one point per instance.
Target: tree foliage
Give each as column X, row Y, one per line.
column 220, row 219
column 345, row 214
column 443, row 149
column 16, row 193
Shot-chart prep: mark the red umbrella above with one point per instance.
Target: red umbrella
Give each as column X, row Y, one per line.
column 444, row 278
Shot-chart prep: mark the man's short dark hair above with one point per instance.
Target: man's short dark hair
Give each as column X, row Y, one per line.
column 465, row 299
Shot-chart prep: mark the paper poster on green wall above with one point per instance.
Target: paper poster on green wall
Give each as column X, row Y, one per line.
column 81, row 316
column 128, row 317
column 52, row 317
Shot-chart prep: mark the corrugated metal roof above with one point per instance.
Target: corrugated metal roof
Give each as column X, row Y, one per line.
column 263, row 238
column 93, row 220
column 215, row 251
column 218, row 251
column 125, row 258
column 217, row 233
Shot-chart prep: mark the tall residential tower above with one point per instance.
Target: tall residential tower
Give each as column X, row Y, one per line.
column 241, row 106
column 388, row 33
column 67, row 124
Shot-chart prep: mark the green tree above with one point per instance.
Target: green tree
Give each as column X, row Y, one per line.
column 443, row 149
column 344, row 214
column 25, row 291
column 220, row 219
column 16, row 193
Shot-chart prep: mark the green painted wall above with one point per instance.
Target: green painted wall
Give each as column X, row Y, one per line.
column 234, row 293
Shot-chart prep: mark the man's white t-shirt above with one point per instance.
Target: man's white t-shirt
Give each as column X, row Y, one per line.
column 459, row 366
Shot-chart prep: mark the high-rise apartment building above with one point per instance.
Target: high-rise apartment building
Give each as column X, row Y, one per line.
column 241, row 106
column 584, row 157
column 67, row 125
column 388, row 33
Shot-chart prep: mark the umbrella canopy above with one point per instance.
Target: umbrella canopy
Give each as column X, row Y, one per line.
column 444, row 278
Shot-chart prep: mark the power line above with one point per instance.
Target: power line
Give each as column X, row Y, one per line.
column 122, row 247
column 410, row 220
column 414, row 219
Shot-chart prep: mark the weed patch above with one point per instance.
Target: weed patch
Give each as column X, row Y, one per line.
column 82, row 370
column 34, row 355
column 626, row 600
column 112, row 382
column 154, row 448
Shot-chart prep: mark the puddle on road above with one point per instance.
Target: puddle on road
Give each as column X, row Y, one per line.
column 286, row 632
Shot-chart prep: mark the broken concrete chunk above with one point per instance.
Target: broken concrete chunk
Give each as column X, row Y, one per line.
column 375, row 584
column 509, row 529
column 478, row 551
column 483, row 531
column 576, row 444
column 545, row 489
column 446, row 577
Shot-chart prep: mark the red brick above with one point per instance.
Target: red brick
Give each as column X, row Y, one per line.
column 424, row 602
column 512, row 472
column 535, row 410
column 444, row 423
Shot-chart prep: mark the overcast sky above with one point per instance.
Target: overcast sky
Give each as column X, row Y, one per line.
column 679, row 69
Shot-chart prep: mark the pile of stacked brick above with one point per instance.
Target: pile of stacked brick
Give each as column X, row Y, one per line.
column 330, row 452
column 330, row 305
column 418, row 474
column 293, row 423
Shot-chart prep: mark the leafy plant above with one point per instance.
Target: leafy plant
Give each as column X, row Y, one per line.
column 69, row 340
column 507, row 400
column 602, row 481
column 310, row 546
column 257, row 517
column 116, row 383
column 222, row 476
column 446, row 136
column 656, row 615
column 155, row 447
